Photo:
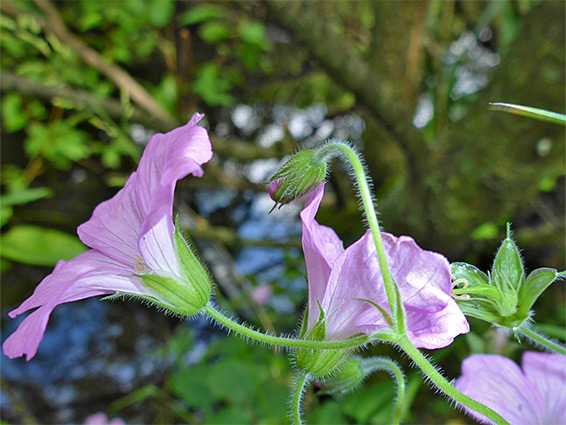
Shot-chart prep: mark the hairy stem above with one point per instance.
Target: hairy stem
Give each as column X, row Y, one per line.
column 300, row 386
column 329, row 150
column 388, row 365
column 444, row 386
column 292, row 342
column 542, row 340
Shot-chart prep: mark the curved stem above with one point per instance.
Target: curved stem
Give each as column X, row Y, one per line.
column 383, row 363
column 444, row 386
column 542, row 340
column 367, row 201
column 292, row 342
column 300, row 386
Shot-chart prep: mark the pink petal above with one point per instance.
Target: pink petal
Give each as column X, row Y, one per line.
column 423, row 277
column 355, row 276
column 548, row 374
column 499, row 383
column 118, row 225
column 321, row 247
column 339, row 280
column 90, row 274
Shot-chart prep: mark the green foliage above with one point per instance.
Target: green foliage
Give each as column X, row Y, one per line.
column 39, row 246
column 59, row 142
column 19, row 196
column 209, row 386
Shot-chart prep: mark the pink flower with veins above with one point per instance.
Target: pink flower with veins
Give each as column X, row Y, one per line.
column 341, row 279
column 534, row 395
column 131, row 234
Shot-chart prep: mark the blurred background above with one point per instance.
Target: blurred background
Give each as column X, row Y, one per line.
column 85, row 84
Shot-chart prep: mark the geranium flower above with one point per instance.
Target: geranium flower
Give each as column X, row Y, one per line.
column 135, row 247
column 535, row 395
column 343, row 281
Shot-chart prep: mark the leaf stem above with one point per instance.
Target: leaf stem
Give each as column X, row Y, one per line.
column 444, row 386
column 292, row 342
column 542, row 340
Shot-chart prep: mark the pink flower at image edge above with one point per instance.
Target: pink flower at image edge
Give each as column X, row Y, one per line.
column 341, row 279
column 131, row 233
column 534, row 395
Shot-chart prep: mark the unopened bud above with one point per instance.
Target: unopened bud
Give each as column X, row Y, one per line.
column 301, row 174
column 348, row 377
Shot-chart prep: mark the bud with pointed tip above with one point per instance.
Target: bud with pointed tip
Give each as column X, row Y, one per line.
column 300, row 175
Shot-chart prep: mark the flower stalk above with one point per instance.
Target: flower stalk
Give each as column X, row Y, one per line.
column 542, row 340
column 336, row 148
column 301, row 383
column 383, row 335
column 440, row 381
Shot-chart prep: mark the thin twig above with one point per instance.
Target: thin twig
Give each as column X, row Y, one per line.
column 121, row 78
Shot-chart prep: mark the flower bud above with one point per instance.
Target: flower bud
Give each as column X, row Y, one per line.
column 301, row 174
column 348, row 377
column 504, row 297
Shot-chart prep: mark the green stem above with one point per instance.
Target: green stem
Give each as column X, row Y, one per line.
column 383, row 363
column 329, row 150
column 292, row 342
column 543, row 340
column 301, row 383
column 441, row 382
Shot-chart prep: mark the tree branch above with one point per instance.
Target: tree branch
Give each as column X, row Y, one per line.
column 342, row 63
column 233, row 148
column 121, row 78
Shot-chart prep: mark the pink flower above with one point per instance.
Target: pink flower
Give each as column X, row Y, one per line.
column 534, row 395
column 132, row 234
column 340, row 280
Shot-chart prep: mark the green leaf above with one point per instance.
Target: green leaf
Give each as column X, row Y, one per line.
column 5, row 214
column 160, row 12
column 39, row 246
column 214, row 32
column 202, row 13
column 253, row 32
column 485, row 231
column 537, row 281
column 214, row 86
column 24, row 196
column 189, row 386
column 527, row 111
column 13, row 116
column 59, row 142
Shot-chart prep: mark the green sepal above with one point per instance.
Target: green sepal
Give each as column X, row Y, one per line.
column 304, row 323
column 192, row 268
column 479, row 311
column 318, row 332
column 484, row 290
column 172, row 295
column 383, row 312
column 508, row 276
column 401, row 315
column 314, row 361
column 536, row 283
column 473, row 275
